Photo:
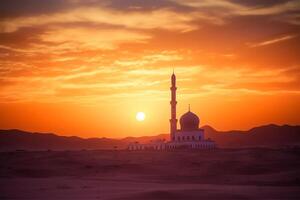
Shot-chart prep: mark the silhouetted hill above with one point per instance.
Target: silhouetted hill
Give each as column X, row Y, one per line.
column 17, row 139
column 268, row 135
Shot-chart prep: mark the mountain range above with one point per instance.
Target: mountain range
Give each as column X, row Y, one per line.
column 262, row 136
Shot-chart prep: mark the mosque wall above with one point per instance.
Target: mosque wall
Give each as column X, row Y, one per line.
column 189, row 135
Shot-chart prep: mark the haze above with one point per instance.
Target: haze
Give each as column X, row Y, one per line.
column 86, row 68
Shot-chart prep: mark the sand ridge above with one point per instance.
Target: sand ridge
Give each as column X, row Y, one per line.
column 220, row 174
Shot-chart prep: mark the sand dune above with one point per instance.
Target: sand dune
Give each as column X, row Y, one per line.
column 220, row 174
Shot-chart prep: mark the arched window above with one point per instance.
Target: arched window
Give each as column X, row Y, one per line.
column 188, row 138
column 193, row 137
column 199, row 137
column 178, row 138
column 183, row 138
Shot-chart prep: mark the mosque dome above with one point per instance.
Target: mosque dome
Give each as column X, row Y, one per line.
column 189, row 121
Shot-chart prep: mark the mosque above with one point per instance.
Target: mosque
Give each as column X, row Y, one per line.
column 189, row 136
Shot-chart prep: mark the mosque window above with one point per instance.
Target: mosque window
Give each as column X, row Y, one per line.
column 188, row 138
column 193, row 137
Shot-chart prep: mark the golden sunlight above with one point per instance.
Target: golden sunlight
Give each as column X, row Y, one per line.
column 140, row 116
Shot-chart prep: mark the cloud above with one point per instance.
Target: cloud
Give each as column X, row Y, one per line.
column 92, row 84
column 99, row 27
column 291, row 18
column 99, row 52
column 271, row 10
column 150, row 59
column 237, row 8
column 224, row 8
column 157, row 19
column 91, row 38
column 272, row 41
column 210, row 4
column 242, row 81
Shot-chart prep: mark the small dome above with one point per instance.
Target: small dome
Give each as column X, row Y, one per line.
column 189, row 122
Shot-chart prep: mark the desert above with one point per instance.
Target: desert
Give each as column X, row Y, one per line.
column 149, row 99
column 245, row 173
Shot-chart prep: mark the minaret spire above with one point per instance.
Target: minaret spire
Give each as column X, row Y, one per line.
column 189, row 107
column 173, row 102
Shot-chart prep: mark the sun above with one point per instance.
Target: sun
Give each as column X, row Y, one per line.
column 140, row 116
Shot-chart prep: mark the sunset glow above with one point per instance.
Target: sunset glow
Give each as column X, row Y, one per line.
column 80, row 67
column 140, row 116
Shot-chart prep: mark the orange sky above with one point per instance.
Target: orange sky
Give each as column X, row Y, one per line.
column 86, row 68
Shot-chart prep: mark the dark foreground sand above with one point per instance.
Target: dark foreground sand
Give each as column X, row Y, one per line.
column 219, row 174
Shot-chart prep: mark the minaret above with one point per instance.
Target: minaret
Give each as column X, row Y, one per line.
column 173, row 102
